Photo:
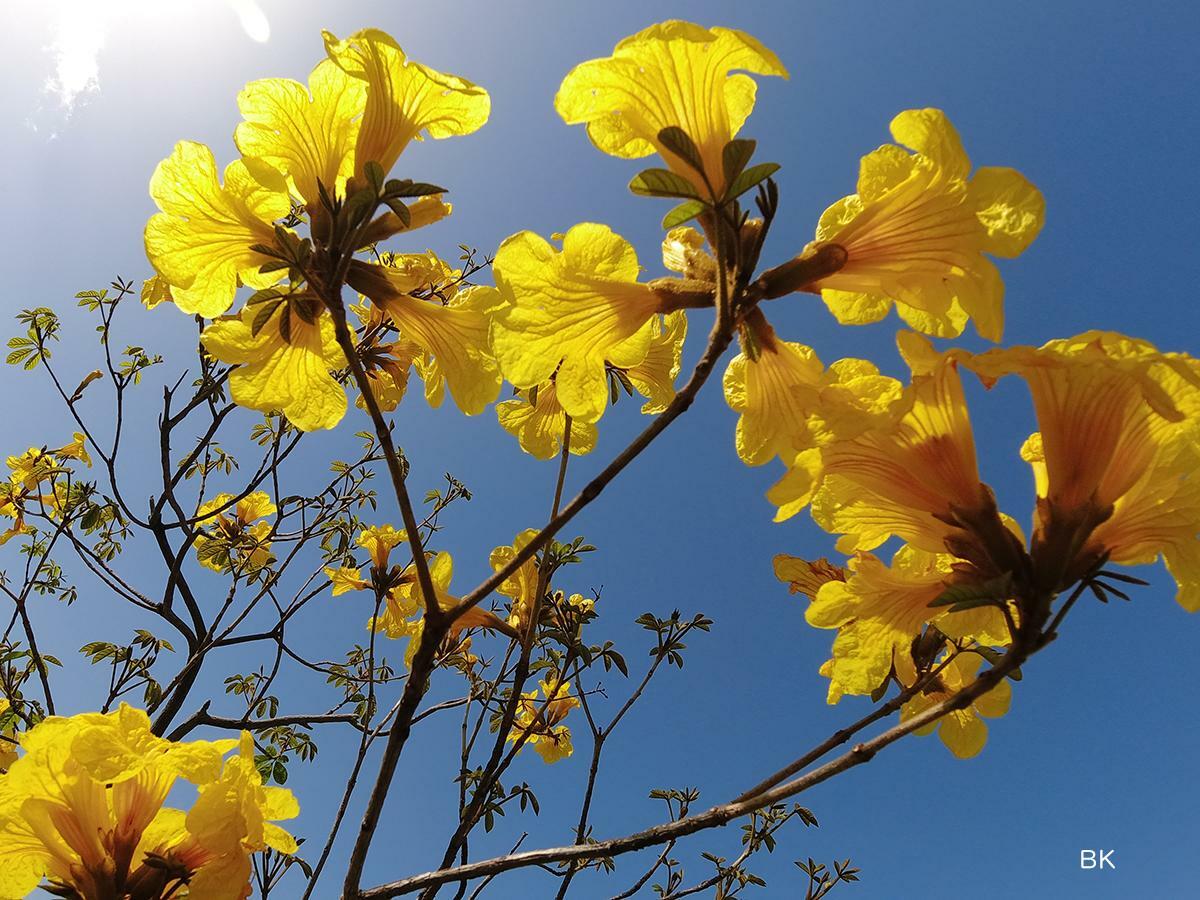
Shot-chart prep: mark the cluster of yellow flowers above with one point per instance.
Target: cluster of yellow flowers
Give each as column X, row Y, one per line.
column 1113, row 463
column 396, row 587
column 239, row 542
column 82, row 806
column 37, row 483
column 875, row 459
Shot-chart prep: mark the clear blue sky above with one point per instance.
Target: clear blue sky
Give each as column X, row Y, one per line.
column 1095, row 102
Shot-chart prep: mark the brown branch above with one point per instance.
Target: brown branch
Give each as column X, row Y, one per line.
column 717, row 815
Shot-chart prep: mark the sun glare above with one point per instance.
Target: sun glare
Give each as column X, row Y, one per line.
column 80, row 28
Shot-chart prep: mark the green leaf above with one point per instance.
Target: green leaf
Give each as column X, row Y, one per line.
column 263, row 316
column 401, row 211
column 375, row 175
column 680, row 143
column 408, row 188
column 735, row 156
column 662, row 183
column 684, row 212
column 750, row 178
column 992, row 592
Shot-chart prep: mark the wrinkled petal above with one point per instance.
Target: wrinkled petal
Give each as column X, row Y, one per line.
column 570, row 312
column 307, row 133
column 200, row 242
column 404, row 98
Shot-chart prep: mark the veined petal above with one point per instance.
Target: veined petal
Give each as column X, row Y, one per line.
column 539, row 427
column 277, row 373
column 915, row 232
column 404, row 97
column 200, row 242
column 910, row 479
column 1010, row 208
column 655, row 375
column 307, row 133
column 962, row 730
column 570, row 312
column 454, row 337
column 775, row 394
column 671, row 74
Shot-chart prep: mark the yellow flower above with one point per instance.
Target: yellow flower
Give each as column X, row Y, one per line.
column 28, row 473
column 880, row 609
column 200, row 242
column 521, row 586
column 804, row 576
column 78, row 804
column 789, row 404
column 453, row 337
column 345, row 579
column 536, row 419
column 77, row 449
column 307, row 133
column 1159, row 515
column 1118, row 420
column 671, row 74
column 961, row 730
column 775, row 394
column 915, row 477
column 232, row 818
column 283, row 364
column 406, row 600
column 378, row 541
column 155, row 290
column 916, row 231
column 238, row 541
column 655, row 375
column 570, row 312
column 404, row 98
column 541, row 728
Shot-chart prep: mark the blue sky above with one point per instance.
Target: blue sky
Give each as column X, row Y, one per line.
column 1094, row 102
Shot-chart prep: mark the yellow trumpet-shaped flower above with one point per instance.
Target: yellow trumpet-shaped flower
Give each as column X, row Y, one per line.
column 452, row 335
column 915, row 477
column 378, row 541
column 233, row 818
column 569, row 313
column 674, row 74
column 404, row 98
column 805, row 577
column 655, row 375
column 29, row 473
column 537, row 420
column 1159, row 516
column 916, row 231
column 521, row 586
column 82, row 807
column 789, row 404
column 306, row 132
column 283, row 363
column 406, row 601
column 878, row 611
column 775, row 394
column 961, row 730
column 238, row 541
column 538, row 719
column 1117, row 421
column 77, row 449
column 200, row 242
